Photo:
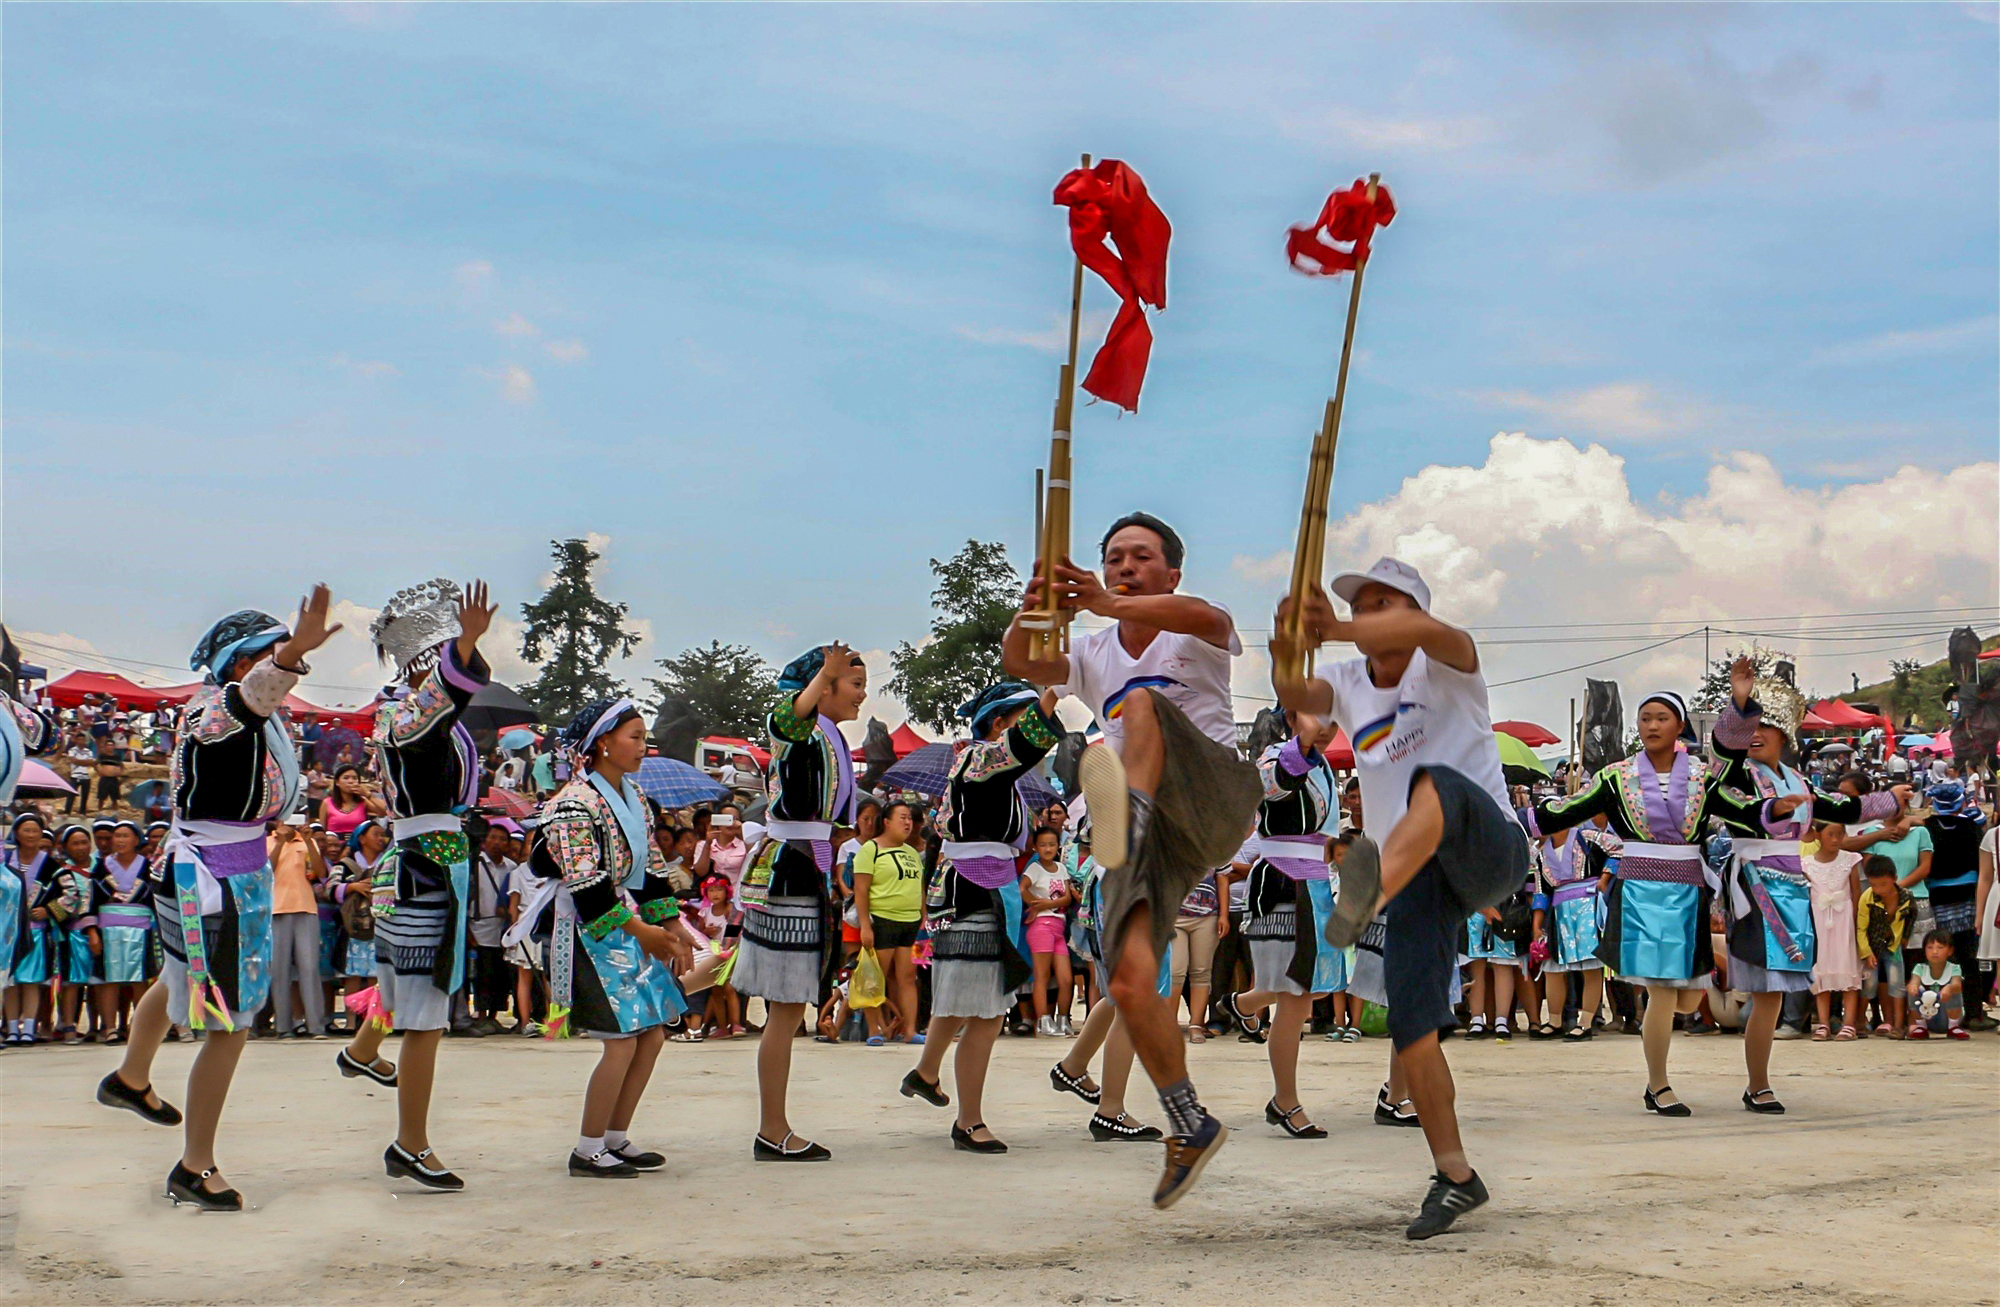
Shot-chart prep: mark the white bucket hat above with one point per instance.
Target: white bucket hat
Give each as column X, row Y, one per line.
column 1392, row 572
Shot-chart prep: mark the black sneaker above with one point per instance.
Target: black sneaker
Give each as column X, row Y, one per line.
column 1187, row 1158
column 915, row 1086
column 1445, row 1203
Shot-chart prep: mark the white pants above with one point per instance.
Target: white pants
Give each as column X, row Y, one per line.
column 295, row 956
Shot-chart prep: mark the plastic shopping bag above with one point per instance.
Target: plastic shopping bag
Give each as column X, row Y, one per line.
column 867, row 988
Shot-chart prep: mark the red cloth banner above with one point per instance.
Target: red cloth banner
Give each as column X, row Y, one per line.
column 1349, row 216
column 1109, row 201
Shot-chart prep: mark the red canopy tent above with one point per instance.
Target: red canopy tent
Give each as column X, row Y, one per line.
column 1843, row 716
column 1812, row 721
column 904, row 740
column 1528, row 733
column 69, row 691
column 762, row 757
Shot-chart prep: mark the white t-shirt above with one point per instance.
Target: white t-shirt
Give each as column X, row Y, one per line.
column 1435, row 717
column 1044, row 881
column 1192, row 673
column 521, row 882
column 1239, row 885
column 492, row 881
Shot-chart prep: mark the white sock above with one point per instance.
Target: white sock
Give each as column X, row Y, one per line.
column 614, row 1139
column 588, row 1146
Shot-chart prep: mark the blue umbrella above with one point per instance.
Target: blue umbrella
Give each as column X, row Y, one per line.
column 141, row 795
column 928, row 771
column 517, row 739
column 672, row 783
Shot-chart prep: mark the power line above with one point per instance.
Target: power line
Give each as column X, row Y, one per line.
column 1596, row 662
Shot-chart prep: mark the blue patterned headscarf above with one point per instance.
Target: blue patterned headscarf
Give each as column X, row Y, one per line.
column 240, row 633
column 593, row 720
column 995, row 700
column 799, row 672
column 1949, row 800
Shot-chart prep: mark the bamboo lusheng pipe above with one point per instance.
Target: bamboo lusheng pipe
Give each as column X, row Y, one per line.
column 1048, row 627
column 1309, row 556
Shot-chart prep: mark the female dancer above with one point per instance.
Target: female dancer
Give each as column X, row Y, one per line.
column 617, row 943
column 1571, row 864
column 1284, row 920
column 1102, row 1026
column 790, row 931
column 70, row 897
column 124, row 912
column 1767, row 912
column 979, row 943
column 29, row 934
column 234, row 768
column 422, row 888
column 1656, row 909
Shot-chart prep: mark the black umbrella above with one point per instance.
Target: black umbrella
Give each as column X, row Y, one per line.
column 495, row 708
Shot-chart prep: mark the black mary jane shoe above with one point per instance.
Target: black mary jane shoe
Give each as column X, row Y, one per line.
column 602, row 1165
column 639, row 1159
column 1251, row 1026
column 1577, row 1034
column 1287, row 1121
column 400, row 1161
column 1764, row 1103
column 185, row 1186
column 1122, row 1129
column 1545, row 1030
column 351, row 1068
column 915, row 1086
column 1065, row 1083
column 765, row 1151
column 113, row 1092
column 1392, row 1114
column 962, row 1139
column 1653, row 1104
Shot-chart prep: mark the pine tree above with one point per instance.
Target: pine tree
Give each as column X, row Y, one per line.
column 976, row 595
column 574, row 632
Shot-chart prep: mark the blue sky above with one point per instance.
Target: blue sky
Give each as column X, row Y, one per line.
column 767, row 296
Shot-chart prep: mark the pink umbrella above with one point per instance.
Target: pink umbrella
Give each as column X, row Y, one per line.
column 36, row 776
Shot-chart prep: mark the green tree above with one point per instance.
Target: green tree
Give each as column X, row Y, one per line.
column 1714, row 691
column 728, row 688
column 1903, row 673
column 976, row 595
column 573, row 632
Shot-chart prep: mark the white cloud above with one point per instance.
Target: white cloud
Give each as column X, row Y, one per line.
column 1052, row 339
column 365, row 367
column 1974, row 333
column 1629, row 410
column 514, row 324
column 1544, row 532
column 1413, row 134
column 473, row 276
column 517, row 384
column 567, row 351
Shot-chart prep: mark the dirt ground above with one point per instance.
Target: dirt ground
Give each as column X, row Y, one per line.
column 1881, row 1186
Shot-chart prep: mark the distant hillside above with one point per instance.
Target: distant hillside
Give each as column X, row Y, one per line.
column 1917, row 697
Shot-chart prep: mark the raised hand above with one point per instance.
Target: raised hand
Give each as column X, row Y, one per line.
column 310, row 631
column 836, row 658
column 1080, row 589
column 475, row 616
column 1742, row 680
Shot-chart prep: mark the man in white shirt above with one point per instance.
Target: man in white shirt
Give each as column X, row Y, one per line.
column 1169, row 796
column 1414, row 706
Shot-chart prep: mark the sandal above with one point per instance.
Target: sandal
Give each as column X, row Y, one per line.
column 1820, row 1034
column 1846, row 1034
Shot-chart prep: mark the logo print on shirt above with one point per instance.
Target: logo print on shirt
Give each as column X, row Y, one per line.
column 1114, row 707
column 1377, row 734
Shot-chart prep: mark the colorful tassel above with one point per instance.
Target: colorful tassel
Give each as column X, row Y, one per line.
column 557, row 1026
column 368, row 1006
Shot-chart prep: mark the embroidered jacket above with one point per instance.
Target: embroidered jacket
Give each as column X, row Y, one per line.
column 584, row 844
column 1617, row 793
column 1296, row 801
column 1731, row 743
column 807, row 762
column 981, row 804
column 223, row 766
column 428, row 760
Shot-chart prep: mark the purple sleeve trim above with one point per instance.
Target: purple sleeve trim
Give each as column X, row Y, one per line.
column 1527, row 816
column 471, row 678
column 1737, row 730
column 1879, row 806
column 1292, row 757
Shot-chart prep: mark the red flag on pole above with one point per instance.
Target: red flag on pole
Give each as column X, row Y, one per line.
column 1109, row 201
column 1351, row 216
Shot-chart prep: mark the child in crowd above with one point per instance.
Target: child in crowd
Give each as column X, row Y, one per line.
column 1045, row 896
column 1937, row 991
column 1882, row 922
column 1831, row 872
column 719, row 921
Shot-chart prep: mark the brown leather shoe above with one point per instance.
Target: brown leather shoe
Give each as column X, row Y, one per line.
column 1186, row 1159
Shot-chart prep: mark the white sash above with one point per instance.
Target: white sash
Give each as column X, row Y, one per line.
column 799, row 830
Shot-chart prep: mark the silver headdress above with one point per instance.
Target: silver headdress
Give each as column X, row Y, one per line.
column 1784, row 707
column 415, row 622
